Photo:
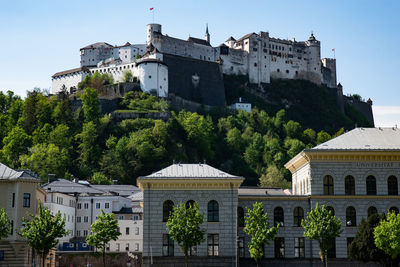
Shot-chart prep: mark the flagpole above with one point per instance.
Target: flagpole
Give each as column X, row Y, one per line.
column 153, row 14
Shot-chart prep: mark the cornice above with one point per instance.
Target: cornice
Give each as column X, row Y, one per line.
column 311, row 197
column 189, row 184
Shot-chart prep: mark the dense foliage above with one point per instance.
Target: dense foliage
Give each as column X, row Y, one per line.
column 5, row 225
column 45, row 134
column 387, row 236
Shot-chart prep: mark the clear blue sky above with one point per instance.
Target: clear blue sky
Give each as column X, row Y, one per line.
column 39, row 38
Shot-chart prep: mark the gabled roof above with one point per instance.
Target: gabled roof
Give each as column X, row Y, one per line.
column 246, row 36
column 68, row 187
column 198, row 41
column 230, row 39
column 126, row 44
column 76, row 70
column 363, row 139
column 184, row 171
column 6, row 173
column 136, row 196
column 98, row 45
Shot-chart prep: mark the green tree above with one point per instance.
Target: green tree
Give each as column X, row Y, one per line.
column 89, row 150
column 128, row 76
column 274, row 178
column 43, row 231
column 322, row 137
column 183, row 225
column 387, row 236
column 257, row 226
column 321, row 225
column 103, row 230
column 5, row 225
column 293, row 129
column 15, row 144
column 90, row 105
column 254, row 153
column 100, row 178
column 363, row 247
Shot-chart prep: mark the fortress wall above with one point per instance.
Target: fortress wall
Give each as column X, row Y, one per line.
column 235, row 62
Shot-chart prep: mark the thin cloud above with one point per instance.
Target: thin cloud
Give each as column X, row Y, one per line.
column 386, row 116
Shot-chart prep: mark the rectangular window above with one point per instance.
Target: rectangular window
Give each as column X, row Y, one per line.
column 168, row 246
column 299, row 247
column 79, row 206
column 117, row 248
column 86, row 219
column 137, row 231
column 279, row 247
column 241, row 247
column 13, row 200
column 213, row 244
column 135, row 217
column 193, row 251
column 332, row 250
column 27, row 200
column 97, row 205
column 85, row 232
column 86, row 205
column 107, row 205
column 127, row 230
column 78, row 233
column 136, row 246
column 120, row 217
column 127, row 247
column 12, row 227
column 78, row 219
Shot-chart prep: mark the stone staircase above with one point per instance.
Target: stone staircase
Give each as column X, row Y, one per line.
column 16, row 254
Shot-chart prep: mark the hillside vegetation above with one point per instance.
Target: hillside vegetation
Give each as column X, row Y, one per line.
column 43, row 134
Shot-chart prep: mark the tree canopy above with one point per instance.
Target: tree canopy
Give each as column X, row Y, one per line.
column 5, row 226
column 387, row 235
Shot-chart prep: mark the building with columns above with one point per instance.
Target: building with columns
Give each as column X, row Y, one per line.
column 354, row 175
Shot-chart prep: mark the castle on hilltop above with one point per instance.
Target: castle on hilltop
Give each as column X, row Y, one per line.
column 189, row 68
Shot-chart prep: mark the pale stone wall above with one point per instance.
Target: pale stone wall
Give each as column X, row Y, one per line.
column 134, row 238
column 70, row 81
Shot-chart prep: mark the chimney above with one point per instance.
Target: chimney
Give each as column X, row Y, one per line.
column 51, row 177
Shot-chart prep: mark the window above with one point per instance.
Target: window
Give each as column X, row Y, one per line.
column 190, row 203
column 241, row 247
column 298, row 215
column 328, row 185
column 371, row 185
column 193, row 251
column 12, row 227
column 127, row 247
column 78, row 219
column 78, row 233
column 117, row 248
column 351, row 216
column 349, row 185
column 394, row 209
column 97, row 205
column 167, row 209
column 392, row 186
column 13, row 200
column 127, row 230
column 79, row 206
column 85, row 219
column 149, row 76
column 372, row 210
column 85, row 232
column 137, row 231
column 287, row 71
column 332, row 250
column 27, row 200
column 136, row 246
column 255, row 64
column 106, row 205
column 240, row 215
column 278, row 216
column 213, row 211
column 332, row 210
column 135, row 217
column 86, row 206
column 108, row 247
column 120, row 217
column 278, row 70
column 279, row 247
column 213, row 244
column 168, row 246
column 299, row 247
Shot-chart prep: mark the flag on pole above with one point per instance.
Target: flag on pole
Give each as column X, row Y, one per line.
column 151, row 8
column 333, row 49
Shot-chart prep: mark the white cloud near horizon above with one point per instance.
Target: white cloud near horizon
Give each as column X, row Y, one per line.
column 386, row 116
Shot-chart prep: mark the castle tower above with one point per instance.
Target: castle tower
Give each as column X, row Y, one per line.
column 314, row 59
column 207, row 35
column 151, row 29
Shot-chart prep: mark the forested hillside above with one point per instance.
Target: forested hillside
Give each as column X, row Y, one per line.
column 43, row 134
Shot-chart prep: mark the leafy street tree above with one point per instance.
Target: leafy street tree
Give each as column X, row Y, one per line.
column 363, row 247
column 321, row 225
column 387, row 236
column 43, row 230
column 5, row 226
column 103, row 231
column 257, row 226
column 183, row 225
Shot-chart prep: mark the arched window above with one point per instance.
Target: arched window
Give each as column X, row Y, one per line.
column 331, row 209
column 213, row 211
column 349, row 185
column 394, row 209
column 298, row 215
column 240, row 214
column 351, row 216
column 371, row 185
column 392, row 186
column 372, row 210
column 328, row 185
column 190, row 203
column 279, row 216
column 168, row 207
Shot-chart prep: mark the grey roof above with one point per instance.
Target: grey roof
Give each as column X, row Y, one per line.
column 190, row 171
column 137, row 210
column 124, row 210
column 136, row 196
column 230, row 39
column 246, row 36
column 259, row 191
column 150, row 60
column 76, row 70
column 364, row 139
column 6, row 173
column 97, row 45
column 68, row 187
column 122, row 190
column 198, row 41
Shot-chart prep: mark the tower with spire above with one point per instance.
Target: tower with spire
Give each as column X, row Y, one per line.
column 207, row 35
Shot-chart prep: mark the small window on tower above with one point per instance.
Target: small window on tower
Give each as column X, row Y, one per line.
column 278, row 70
column 149, row 76
column 255, row 64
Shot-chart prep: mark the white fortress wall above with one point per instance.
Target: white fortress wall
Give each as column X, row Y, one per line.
column 153, row 76
column 68, row 80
